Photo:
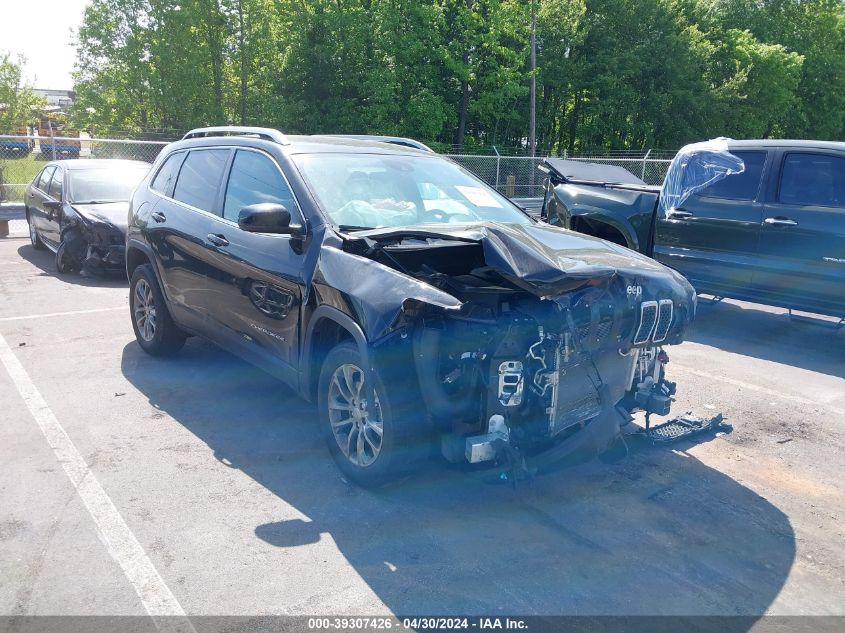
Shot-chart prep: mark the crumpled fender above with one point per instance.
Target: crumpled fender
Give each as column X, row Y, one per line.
column 376, row 293
column 113, row 214
column 95, row 227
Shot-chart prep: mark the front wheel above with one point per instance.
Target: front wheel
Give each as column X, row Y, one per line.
column 155, row 330
column 371, row 442
column 70, row 252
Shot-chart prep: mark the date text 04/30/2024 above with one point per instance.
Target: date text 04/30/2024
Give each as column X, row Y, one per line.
column 417, row 623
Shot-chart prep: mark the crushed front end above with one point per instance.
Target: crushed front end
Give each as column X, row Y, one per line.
column 523, row 373
column 94, row 239
column 540, row 359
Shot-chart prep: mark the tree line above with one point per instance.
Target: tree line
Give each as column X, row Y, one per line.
column 611, row 74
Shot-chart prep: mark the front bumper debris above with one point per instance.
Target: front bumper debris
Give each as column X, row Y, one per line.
column 682, row 427
column 105, row 259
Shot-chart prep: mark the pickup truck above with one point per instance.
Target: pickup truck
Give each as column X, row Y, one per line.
column 771, row 231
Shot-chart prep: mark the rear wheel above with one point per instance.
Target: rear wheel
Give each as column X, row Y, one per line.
column 37, row 244
column 371, row 442
column 155, row 330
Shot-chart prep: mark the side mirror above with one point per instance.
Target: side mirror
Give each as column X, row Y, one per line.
column 54, row 209
column 267, row 217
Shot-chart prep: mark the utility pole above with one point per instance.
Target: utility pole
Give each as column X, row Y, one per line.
column 532, row 125
column 242, row 46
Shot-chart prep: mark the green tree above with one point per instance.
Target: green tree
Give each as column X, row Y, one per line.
column 758, row 87
column 16, row 97
column 612, row 74
column 815, row 30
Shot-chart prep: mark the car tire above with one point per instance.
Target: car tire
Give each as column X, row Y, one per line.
column 154, row 328
column 66, row 262
column 352, row 443
column 34, row 238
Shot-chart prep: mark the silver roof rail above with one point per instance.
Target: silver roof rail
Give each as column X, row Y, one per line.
column 266, row 133
column 391, row 140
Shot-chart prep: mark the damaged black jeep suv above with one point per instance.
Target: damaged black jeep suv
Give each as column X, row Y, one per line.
column 416, row 305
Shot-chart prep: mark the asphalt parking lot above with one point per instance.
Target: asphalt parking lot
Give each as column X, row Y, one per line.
column 202, row 486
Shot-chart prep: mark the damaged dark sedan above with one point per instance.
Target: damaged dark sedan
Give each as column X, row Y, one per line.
column 415, row 304
column 78, row 209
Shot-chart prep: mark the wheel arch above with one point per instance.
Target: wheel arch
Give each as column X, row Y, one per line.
column 70, row 221
column 138, row 254
column 327, row 327
column 605, row 229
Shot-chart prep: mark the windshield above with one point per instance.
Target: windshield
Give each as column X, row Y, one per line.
column 376, row 190
column 98, row 185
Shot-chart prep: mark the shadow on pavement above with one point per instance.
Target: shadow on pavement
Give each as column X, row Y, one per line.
column 744, row 329
column 45, row 261
column 658, row 533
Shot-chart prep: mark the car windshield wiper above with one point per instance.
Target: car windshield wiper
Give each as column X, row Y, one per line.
column 394, row 233
column 95, row 201
column 352, row 227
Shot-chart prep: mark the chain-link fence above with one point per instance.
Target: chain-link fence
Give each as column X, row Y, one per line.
column 22, row 157
column 514, row 176
column 518, row 176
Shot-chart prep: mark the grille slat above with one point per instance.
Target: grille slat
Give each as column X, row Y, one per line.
column 665, row 312
column 648, row 319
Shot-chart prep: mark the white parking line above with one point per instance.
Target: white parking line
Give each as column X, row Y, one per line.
column 58, row 314
column 121, row 543
column 769, row 392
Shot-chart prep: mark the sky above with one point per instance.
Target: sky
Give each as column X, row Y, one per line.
column 50, row 55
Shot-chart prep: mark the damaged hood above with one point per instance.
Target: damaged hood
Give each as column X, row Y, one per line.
column 544, row 260
column 114, row 213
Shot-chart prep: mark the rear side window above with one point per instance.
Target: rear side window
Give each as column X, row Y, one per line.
column 742, row 186
column 813, row 179
column 44, row 179
column 200, row 176
column 254, row 178
column 55, row 189
column 166, row 176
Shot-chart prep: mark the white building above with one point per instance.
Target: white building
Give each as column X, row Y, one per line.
column 61, row 98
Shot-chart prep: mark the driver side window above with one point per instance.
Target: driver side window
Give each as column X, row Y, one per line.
column 254, row 179
column 56, row 184
column 44, row 179
column 743, row 186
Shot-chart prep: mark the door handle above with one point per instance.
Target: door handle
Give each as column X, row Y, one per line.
column 158, row 216
column 679, row 214
column 780, row 222
column 217, row 239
